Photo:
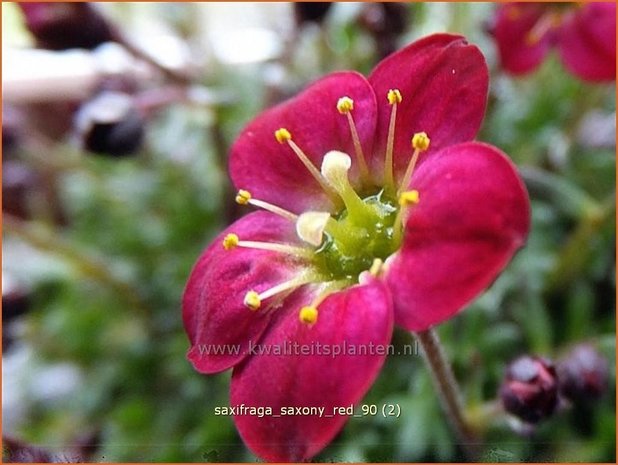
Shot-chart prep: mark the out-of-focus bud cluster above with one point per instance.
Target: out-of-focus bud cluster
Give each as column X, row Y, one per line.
column 100, row 121
column 63, row 26
column 110, row 124
column 534, row 387
column 583, row 374
column 530, row 389
column 385, row 22
column 311, row 12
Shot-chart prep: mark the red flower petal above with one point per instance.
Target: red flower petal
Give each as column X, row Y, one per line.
column 588, row 42
column 513, row 24
column 358, row 317
column 443, row 82
column 472, row 217
column 272, row 172
column 214, row 314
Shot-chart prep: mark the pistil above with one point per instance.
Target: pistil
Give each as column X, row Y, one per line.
column 335, row 167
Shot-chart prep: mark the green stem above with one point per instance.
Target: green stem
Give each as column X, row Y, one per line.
column 42, row 239
column 578, row 247
column 448, row 391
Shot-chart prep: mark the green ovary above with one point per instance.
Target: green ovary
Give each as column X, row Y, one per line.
column 351, row 245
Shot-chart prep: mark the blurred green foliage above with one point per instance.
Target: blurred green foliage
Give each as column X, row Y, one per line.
column 107, row 296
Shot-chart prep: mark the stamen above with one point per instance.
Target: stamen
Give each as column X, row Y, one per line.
column 253, row 300
column 284, row 136
column 394, row 98
column 545, row 24
column 335, row 167
column 345, row 105
column 406, row 200
column 232, row 241
column 244, row 198
column 420, row 143
column 309, row 314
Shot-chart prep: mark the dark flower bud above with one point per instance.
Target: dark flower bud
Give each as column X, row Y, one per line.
column 110, row 124
column 12, row 129
column 385, row 22
column 530, row 389
column 18, row 183
column 62, row 26
column 16, row 451
column 16, row 301
column 311, row 11
column 583, row 374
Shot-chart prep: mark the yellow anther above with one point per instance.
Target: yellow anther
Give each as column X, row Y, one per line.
column 252, row 300
column 243, row 197
column 308, row 315
column 393, row 96
column 282, row 135
column 409, row 198
column 230, row 241
column 345, row 105
column 420, row 141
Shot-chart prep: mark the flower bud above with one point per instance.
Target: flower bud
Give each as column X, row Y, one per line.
column 583, row 374
column 385, row 21
column 62, row 26
column 19, row 183
column 311, row 11
column 110, row 124
column 530, row 389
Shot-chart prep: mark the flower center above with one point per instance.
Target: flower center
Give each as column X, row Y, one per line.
column 358, row 236
column 353, row 241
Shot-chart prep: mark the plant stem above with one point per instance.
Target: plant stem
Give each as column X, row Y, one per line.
column 448, row 391
column 47, row 241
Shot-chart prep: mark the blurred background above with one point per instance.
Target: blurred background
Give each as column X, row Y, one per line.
column 117, row 121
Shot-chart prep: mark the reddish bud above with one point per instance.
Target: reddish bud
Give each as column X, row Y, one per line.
column 530, row 389
column 583, row 374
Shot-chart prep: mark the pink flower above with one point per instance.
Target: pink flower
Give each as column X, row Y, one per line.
column 584, row 34
column 368, row 223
